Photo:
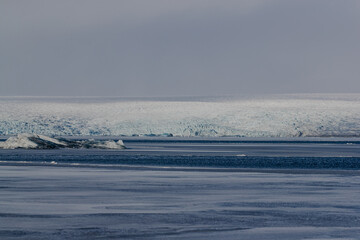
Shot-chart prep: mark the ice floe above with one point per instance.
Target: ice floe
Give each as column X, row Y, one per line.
column 35, row 141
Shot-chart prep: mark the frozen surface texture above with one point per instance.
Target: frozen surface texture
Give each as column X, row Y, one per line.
column 269, row 116
column 34, row 141
column 87, row 203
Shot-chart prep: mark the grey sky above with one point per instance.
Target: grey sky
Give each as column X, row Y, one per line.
column 187, row 47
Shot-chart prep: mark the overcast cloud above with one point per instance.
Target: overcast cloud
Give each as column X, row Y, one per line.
column 187, row 47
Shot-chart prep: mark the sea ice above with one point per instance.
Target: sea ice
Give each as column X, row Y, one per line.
column 98, row 203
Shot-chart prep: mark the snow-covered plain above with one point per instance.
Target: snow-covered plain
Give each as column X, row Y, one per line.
column 267, row 116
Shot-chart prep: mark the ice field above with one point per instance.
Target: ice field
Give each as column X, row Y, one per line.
column 261, row 116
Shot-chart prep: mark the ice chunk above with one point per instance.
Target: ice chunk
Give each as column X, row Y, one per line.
column 21, row 141
column 110, row 144
column 35, row 141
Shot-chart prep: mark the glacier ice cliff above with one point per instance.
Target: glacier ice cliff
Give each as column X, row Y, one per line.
column 261, row 116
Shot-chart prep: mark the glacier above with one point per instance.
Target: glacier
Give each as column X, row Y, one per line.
column 292, row 115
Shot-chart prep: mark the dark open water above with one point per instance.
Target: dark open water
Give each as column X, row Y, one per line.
column 211, row 153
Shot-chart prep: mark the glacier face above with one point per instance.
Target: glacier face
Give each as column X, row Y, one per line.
column 260, row 116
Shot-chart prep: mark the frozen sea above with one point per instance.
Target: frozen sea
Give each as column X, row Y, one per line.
column 184, row 188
